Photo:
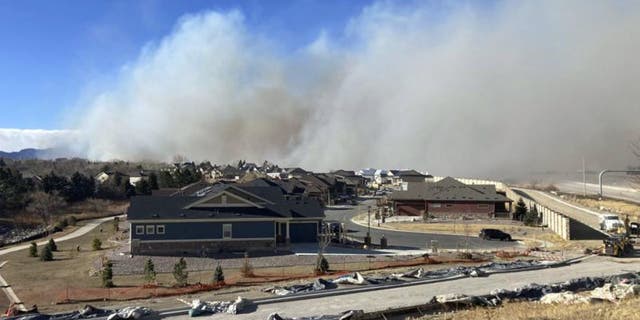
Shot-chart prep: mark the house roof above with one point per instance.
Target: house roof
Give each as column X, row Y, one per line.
column 271, row 203
column 409, row 173
column 449, row 189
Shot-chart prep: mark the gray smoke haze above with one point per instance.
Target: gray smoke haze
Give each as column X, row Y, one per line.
column 525, row 85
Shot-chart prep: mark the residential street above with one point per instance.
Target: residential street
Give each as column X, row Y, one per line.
column 586, row 216
column 409, row 240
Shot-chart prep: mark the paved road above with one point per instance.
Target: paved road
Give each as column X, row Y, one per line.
column 586, row 216
column 411, row 240
column 616, row 192
column 408, row 296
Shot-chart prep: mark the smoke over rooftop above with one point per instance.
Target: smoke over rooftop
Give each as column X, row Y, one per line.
column 524, row 85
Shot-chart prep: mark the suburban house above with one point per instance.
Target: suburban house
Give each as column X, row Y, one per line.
column 222, row 217
column 409, row 176
column 449, row 198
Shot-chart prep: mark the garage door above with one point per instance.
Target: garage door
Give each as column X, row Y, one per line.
column 303, row 232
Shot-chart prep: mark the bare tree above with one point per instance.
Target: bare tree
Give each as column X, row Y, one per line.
column 44, row 205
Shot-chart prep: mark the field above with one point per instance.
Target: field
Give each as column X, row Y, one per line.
column 34, row 281
column 625, row 310
column 620, row 207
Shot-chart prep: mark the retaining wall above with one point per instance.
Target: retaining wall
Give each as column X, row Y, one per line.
column 557, row 222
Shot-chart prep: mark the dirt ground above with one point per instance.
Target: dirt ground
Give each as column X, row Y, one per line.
column 625, row 310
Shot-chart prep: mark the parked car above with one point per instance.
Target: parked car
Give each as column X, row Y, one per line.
column 490, row 234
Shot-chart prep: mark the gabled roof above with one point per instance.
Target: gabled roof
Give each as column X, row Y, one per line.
column 270, row 202
column 409, row 173
column 449, row 189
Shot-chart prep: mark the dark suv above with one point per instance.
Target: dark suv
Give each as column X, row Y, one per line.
column 490, row 234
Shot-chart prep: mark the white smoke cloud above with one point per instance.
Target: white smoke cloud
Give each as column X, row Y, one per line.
column 17, row 139
column 522, row 86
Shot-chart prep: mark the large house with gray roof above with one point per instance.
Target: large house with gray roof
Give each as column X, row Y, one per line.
column 449, row 198
column 222, row 218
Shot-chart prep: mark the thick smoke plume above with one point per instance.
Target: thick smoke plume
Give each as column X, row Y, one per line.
column 523, row 85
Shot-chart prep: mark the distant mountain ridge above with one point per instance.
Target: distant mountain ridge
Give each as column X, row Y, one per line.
column 31, row 153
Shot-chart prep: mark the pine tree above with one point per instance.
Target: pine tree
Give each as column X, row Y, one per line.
column 521, row 210
column 218, row 276
column 46, row 254
column 531, row 218
column 107, row 275
column 52, row 245
column 149, row 272
column 180, row 272
column 33, row 250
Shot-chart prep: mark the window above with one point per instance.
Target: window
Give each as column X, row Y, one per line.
column 139, row 229
column 226, row 231
column 151, row 229
column 436, row 205
column 160, row 229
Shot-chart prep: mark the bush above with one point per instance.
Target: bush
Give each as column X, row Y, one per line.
column 149, row 272
column 46, row 254
column 218, row 276
column 247, row 269
column 96, row 244
column 180, row 272
column 72, row 221
column 107, row 275
column 33, row 250
column 62, row 224
column 52, row 245
column 322, row 265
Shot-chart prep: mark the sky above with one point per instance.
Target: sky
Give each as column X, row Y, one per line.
column 58, row 51
column 450, row 87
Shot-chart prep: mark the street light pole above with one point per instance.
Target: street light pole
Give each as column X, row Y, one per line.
column 368, row 238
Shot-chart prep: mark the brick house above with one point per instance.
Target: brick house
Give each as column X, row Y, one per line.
column 222, row 218
column 449, row 198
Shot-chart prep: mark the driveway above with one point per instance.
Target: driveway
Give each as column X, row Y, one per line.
column 409, row 240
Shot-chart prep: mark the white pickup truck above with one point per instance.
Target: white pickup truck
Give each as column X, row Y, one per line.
column 610, row 222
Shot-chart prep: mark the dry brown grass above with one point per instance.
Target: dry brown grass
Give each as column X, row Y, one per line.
column 34, row 281
column 612, row 205
column 625, row 310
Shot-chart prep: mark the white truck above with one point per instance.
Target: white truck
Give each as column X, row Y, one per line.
column 610, row 222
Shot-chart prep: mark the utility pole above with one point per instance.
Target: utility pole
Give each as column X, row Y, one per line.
column 584, row 178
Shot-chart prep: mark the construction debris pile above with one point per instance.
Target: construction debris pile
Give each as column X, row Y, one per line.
column 414, row 274
column 347, row 315
column 317, row 285
column 581, row 290
column 199, row 307
column 88, row 312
